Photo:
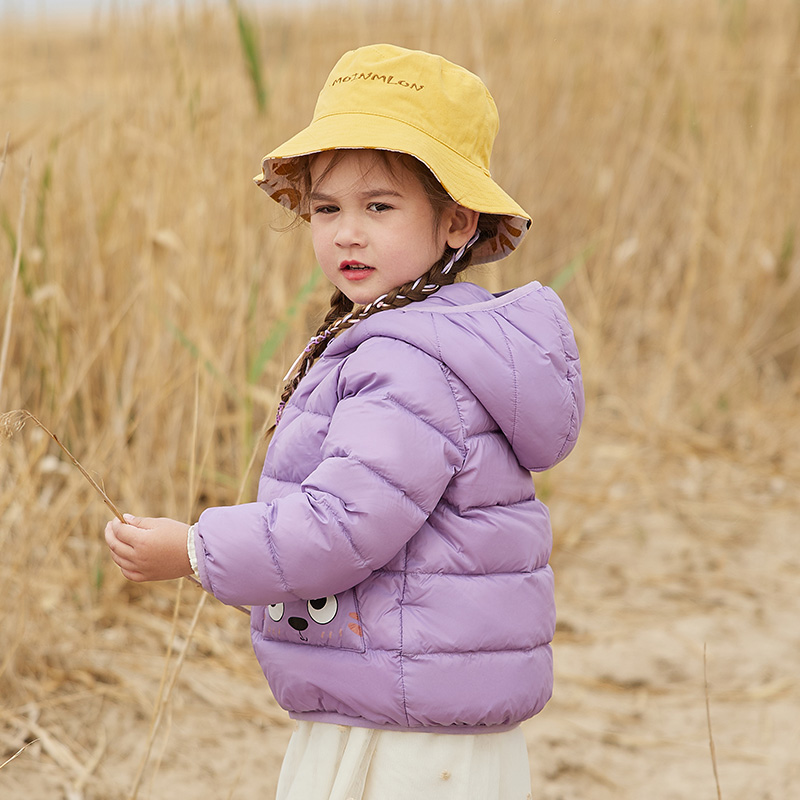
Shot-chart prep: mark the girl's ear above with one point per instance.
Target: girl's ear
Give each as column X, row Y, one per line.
column 459, row 224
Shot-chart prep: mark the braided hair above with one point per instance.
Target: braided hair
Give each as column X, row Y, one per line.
column 343, row 314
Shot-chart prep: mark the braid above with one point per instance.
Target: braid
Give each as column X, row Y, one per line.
column 344, row 315
column 340, row 305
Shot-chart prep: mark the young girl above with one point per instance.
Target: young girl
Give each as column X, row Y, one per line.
column 396, row 557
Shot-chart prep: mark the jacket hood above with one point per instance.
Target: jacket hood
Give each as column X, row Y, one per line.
column 515, row 351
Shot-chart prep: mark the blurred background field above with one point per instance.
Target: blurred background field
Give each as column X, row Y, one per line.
column 160, row 297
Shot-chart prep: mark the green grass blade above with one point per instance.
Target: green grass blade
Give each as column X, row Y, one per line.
column 279, row 331
column 568, row 272
column 249, row 42
column 24, row 277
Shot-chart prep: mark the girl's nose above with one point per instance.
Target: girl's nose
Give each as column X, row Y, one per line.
column 349, row 233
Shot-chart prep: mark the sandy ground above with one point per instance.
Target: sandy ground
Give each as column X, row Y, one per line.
column 651, row 575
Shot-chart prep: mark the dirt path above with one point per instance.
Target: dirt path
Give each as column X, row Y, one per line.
column 704, row 561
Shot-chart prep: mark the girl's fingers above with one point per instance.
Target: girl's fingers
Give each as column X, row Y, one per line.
column 120, row 538
column 127, row 532
column 131, row 574
column 119, row 545
column 123, row 563
column 143, row 523
column 122, row 554
column 112, row 536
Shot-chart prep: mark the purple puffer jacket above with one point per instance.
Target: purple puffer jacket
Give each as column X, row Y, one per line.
column 396, row 559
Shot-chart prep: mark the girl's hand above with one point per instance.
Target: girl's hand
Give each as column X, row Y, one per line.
column 148, row 549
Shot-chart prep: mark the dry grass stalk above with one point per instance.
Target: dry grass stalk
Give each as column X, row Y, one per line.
column 19, row 752
column 163, row 701
column 708, row 719
column 14, row 270
column 165, row 689
column 62, row 754
column 5, row 155
column 12, row 422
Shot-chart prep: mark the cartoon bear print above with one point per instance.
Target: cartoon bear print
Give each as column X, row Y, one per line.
column 331, row 621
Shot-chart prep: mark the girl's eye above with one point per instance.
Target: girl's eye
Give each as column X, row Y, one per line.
column 379, row 206
column 324, row 210
column 322, row 611
column 275, row 611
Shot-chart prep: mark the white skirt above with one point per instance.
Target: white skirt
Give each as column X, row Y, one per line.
column 336, row 762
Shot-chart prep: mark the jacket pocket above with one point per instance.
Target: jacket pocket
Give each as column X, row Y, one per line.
column 332, row 621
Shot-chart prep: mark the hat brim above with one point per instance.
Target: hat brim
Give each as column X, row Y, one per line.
column 466, row 182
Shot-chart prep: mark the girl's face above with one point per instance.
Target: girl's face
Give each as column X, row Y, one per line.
column 374, row 230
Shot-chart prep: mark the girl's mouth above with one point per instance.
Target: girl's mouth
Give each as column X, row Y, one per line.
column 355, row 270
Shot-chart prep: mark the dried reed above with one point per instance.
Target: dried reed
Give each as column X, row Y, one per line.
column 5, row 156
column 712, row 748
column 11, row 422
column 18, row 753
column 14, row 270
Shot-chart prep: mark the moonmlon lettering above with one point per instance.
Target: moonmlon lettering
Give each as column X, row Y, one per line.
column 374, row 76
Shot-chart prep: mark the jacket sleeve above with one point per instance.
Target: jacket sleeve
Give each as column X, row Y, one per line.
column 394, row 442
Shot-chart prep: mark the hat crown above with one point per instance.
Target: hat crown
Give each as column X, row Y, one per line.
column 441, row 99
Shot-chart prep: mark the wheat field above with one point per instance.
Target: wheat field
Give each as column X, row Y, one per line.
column 152, row 298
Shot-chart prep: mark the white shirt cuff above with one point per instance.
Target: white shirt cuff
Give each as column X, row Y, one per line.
column 190, row 549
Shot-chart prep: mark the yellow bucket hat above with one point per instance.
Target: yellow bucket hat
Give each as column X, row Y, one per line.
column 385, row 97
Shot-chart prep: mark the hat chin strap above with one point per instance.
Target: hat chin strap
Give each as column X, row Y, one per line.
column 459, row 253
